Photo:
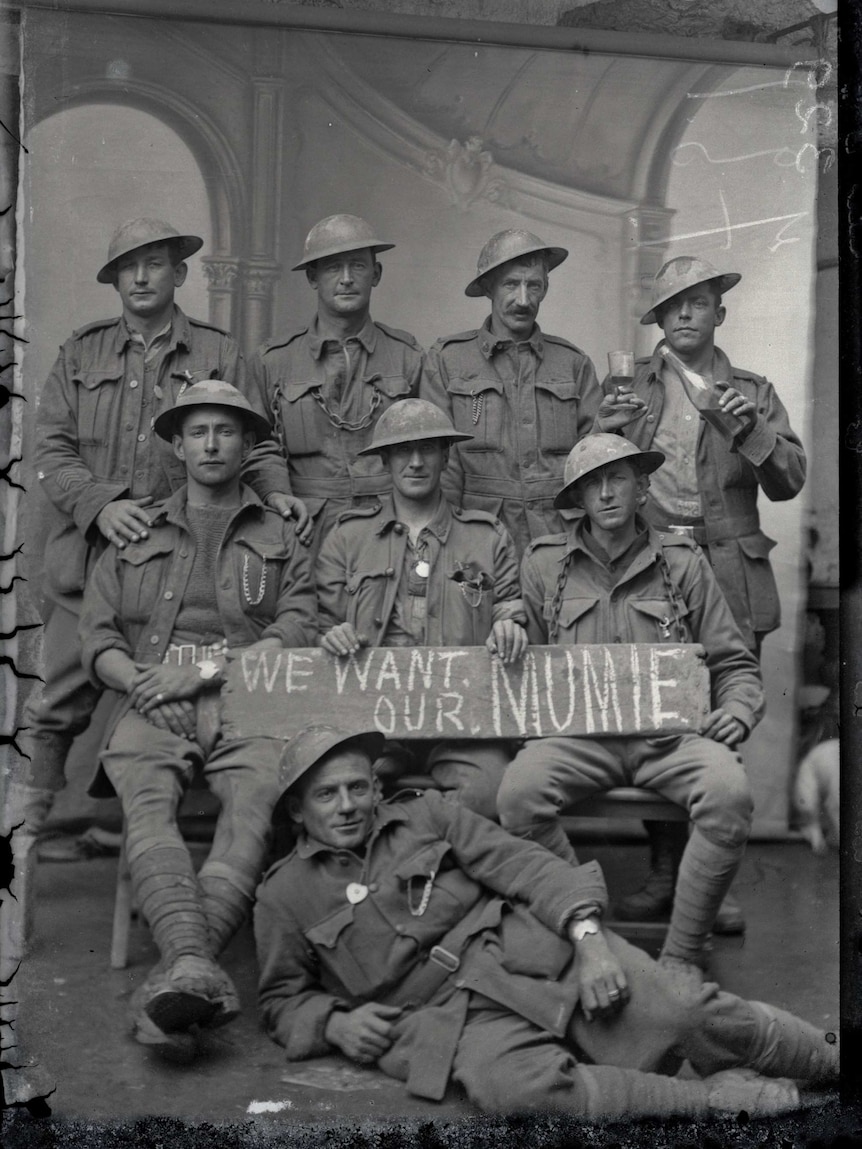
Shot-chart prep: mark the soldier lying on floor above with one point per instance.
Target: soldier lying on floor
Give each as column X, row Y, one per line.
column 425, row 939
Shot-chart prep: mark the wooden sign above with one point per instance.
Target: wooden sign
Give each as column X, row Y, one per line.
column 446, row 692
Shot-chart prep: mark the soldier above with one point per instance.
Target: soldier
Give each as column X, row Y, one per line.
column 427, row 940
column 412, row 570
column 612, row 578
column 102, row 468
column 327, row 383
column 523, row 396
column 708, row 487
column 216, row 573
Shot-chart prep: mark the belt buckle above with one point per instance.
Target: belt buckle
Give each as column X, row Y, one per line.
column 680, row 529
column 442, row 957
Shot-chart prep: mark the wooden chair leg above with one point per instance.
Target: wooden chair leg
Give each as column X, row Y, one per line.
column 122, row 912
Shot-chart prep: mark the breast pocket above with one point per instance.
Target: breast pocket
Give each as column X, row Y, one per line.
column 478, row 410
column 437, row 892
column 143, row 566
column 654, row 620
column 557, row 414
column 330, row 940
column 98, row 394
column 260, row 575
column 577, row 619
column 304, row 423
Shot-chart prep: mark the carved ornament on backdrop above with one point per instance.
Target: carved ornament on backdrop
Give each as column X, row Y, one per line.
column 465, row 171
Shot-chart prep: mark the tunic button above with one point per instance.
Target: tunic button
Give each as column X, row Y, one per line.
column 378, row 621
column 169, row 594
column 343, row 862
column 390, row 571
column 373, row 887
column 142, row 438
column 154, row 639
column 183, row 553
column 650, row 418
column 133, row 384
column 399, row 929
column 398, row 529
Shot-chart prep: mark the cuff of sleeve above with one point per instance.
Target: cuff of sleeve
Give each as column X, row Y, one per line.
column 302, row 1035
column 512, row 608
column 90, row 653
column 90, row 505
column 591, row 896
column 289, row 634
column 742, row 712
column 758, row 444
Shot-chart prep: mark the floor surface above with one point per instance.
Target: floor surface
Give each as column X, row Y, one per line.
column 73, row 1004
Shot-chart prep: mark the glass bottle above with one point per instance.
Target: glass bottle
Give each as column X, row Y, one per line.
column 705, row 395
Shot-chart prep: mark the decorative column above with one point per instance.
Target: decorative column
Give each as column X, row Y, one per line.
column 222, row 275
column 648, row 240
column 260, row 279
column 262, row 269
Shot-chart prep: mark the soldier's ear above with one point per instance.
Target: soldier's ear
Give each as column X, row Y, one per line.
column 177, row 443
column 378, row 273
column 311, row 276
column 180, row 272
column 294, row 809
column 720, row 313
column 248, row 441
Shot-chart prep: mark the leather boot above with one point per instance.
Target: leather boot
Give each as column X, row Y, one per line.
column 654, row 900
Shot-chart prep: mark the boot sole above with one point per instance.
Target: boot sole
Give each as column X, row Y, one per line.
column 175, row 1010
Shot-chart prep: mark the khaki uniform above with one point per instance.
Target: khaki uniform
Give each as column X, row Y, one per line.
column 526, row 405
column 323, row 400
column 472, row 583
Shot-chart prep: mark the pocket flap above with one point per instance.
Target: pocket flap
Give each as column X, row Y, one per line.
column 658, row 608
column 327, row 932
column 424, row 863
column 139, row 553
column 355, row 580
column 296, row 388
column 90, row 380
column 571, row 609
column 392, row 386
column 756, row 546
column 263, row 549
column 467, row 386
column 561, row 388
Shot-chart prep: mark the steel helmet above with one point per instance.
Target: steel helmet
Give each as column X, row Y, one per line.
column 135, row 233
column 337, row 234
column 306, row 749
column 592, row 452
column 211, row 393
column 409, row 420
column 681, row 273
column 507, row 245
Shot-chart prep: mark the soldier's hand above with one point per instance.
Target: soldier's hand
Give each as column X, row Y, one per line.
column 342, row 640
column 723, row 727
column 154, row 685
column 619, row 409
column 735, row 403
column 604, row 989
column 290, row 507
column 124, row 521
column 177, row 717
column 363, row 1034
column 508, row 640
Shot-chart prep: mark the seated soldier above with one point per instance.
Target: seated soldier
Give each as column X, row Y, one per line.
column 420, row 937
column 611, row 578
column 412, row 570
column 216, row 573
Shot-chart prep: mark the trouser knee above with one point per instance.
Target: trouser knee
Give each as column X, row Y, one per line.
column 724, row 813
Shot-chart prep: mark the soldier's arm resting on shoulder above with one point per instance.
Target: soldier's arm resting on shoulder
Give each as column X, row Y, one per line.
column 337, row 635
column 533, row 598
column 296, row 621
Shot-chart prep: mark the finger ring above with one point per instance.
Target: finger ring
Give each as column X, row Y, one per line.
column 613, row 993
column 159, row 697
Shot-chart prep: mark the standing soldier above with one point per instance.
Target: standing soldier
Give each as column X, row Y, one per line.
column 102, row 467
column 327, row 383
column 524, row 397
column 708, row 487
column 412, row 570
